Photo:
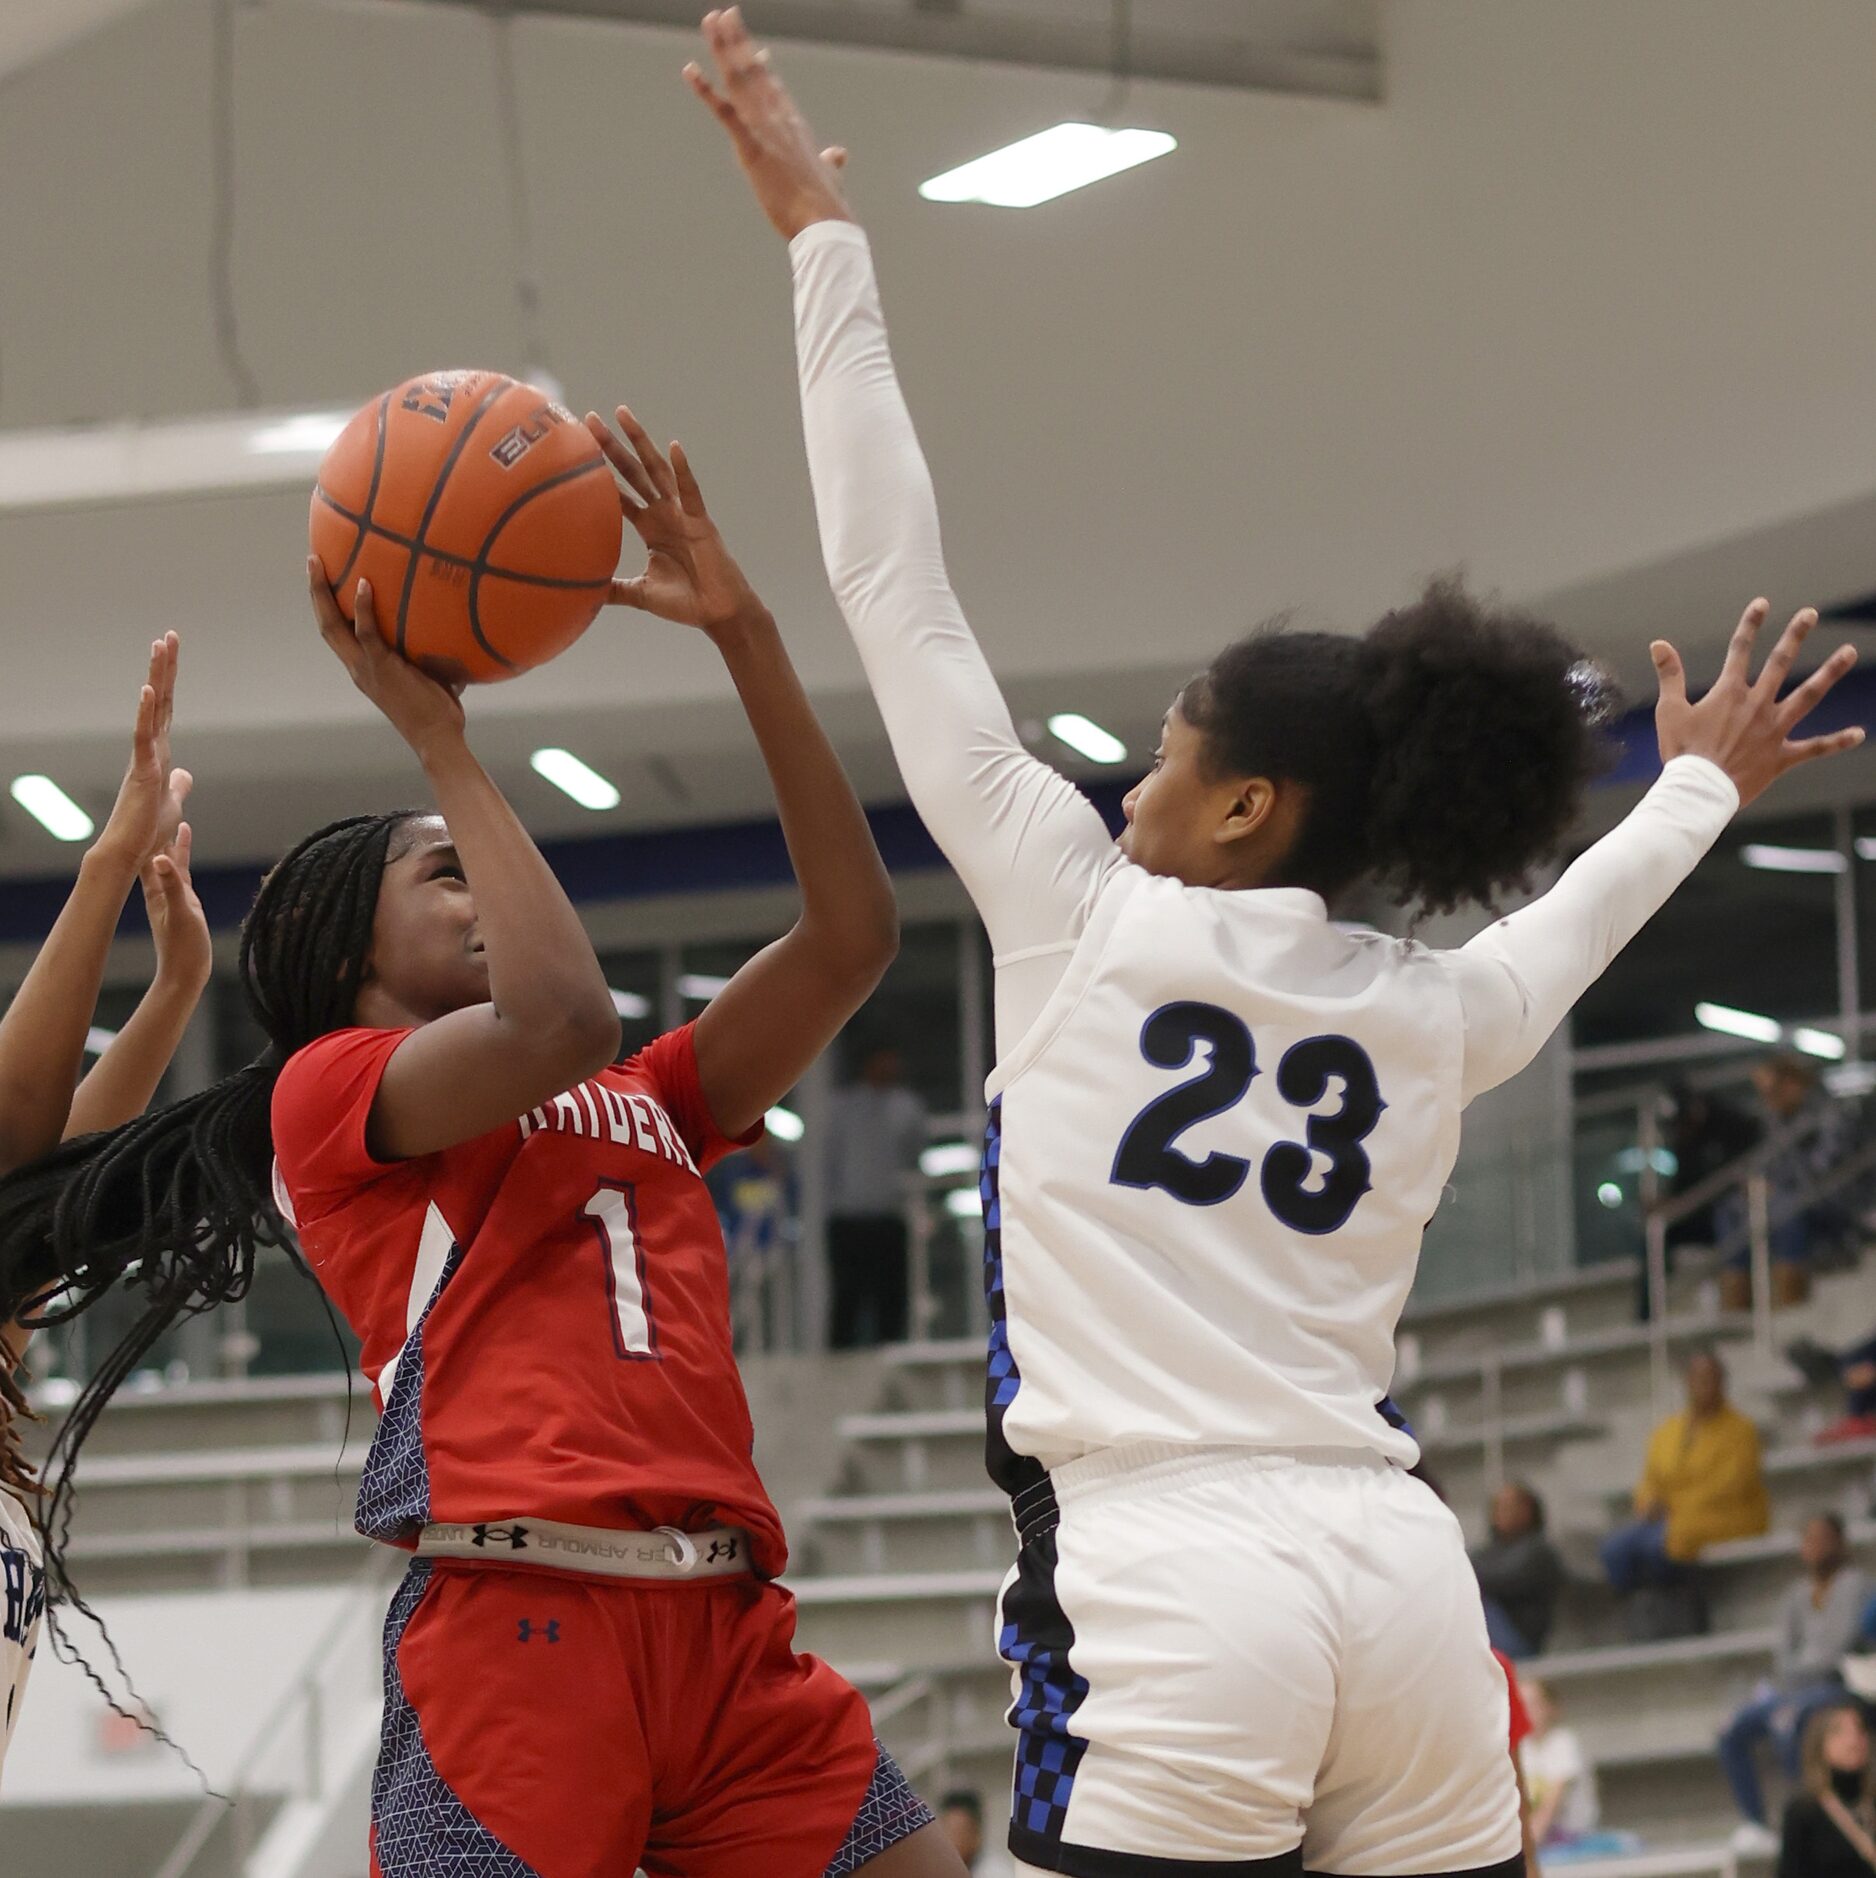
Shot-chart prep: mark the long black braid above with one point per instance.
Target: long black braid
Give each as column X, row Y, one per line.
column 175, row 1205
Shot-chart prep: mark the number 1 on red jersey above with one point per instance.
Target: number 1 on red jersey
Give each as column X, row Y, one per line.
column 615, row 1224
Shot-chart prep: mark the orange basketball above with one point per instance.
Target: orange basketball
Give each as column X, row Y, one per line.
column 484, row 516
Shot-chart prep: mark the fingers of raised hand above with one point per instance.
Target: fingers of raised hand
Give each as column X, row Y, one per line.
column 1804, row 698
column 180, row 783
column 629, row 467
column 334, row 627
column 1669, row 673
column 1783, row 655
column 365, row 633
column 182, row 848
column 627, row 592
column 1745, row 635
column 688, row 492
column 143, row 737
column 657, row 465
column 1809, row 749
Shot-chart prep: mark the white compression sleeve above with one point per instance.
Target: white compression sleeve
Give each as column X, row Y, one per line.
column 1518, row 979
column 1027, row 844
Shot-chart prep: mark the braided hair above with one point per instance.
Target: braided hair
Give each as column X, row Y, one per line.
column 175, row 1205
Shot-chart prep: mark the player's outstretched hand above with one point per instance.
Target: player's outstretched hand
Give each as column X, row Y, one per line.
column 690, row 576
column 421, row 711
column 1742, row 724
column 185, row 954
column 795, row 180
column 148, row 811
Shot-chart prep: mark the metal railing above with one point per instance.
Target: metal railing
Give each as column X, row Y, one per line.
column 305, row 1712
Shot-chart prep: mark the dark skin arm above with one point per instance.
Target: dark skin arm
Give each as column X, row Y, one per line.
column 760, row 1033
column 549, row 1021
column 42, row 1037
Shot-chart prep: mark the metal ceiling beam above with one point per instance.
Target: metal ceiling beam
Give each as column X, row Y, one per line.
column 1008, row 39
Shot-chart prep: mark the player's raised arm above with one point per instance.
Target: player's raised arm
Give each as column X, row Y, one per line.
column 787, row 1004
column 42, row 1038
column 549, row 1021
column 1520, row 977
column 1026, row 843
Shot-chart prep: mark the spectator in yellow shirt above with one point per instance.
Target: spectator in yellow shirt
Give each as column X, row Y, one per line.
column 1702, row 1483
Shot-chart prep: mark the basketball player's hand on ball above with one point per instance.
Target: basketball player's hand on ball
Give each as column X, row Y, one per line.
column 795, row 180
column 1742, row 724
column 424, row 713
column 690, row 576
column 185, row 954
column 148, row 811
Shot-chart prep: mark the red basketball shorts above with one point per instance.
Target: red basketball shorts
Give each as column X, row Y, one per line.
column 546, row 1725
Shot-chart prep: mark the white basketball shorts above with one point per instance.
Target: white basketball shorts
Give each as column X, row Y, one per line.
column 1219, row 1657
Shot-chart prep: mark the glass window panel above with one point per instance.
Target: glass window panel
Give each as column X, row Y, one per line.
column 1743, row 936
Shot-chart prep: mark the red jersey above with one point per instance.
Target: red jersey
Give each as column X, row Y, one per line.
column 1520, row 1721
column 544, row 1310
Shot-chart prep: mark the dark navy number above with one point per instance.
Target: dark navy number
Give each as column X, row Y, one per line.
column 1303, row 1079
column 1302, row 1200
column 1147, row 1157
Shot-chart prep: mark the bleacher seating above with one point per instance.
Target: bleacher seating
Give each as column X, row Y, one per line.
column 900, row 1545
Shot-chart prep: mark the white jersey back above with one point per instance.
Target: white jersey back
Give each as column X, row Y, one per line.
column 23, row 1589
column 1211, row 1162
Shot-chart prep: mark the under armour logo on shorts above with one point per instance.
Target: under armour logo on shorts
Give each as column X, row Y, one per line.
column 516, row 1537
column 549, row 1630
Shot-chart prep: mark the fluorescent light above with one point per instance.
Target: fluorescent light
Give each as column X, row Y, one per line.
column 948, row 1157
column 1086, row 738
column 1047, row 165
column 785, row 1124
column 52, row 808
column 1851, row 1079
column 98, row 1041
column 964, row 1203
column 1819, row 1043
column 145, row 462
column 572, row 777
column 1747, row 1024
column 1794, row 860
column 629, row 1003
column 311, row 433
column 1866, row 847
column 700, row 986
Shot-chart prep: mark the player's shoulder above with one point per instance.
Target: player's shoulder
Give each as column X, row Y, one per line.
column 339, row 1053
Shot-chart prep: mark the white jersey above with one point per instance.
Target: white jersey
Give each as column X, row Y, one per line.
column 1221, row 1123
column 23, row 1587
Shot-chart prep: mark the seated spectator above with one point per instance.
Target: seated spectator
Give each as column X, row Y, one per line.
column 1701, row 1484
column 1562, row 1783
column 1704, row 1133
column 1520, row 1573
column 1803, row 1232
column 1818, row 1624
column 1854, row 1370
column 1830, row 1827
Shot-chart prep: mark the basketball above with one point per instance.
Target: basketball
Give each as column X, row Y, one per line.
column 484, row 516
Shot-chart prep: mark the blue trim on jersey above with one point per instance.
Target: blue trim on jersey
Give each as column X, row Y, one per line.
column 891, row 1811
column 420, row 1827
column 394, row 1495
column 1035, row 1636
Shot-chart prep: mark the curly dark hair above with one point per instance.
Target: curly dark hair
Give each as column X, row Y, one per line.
column 1445, row 752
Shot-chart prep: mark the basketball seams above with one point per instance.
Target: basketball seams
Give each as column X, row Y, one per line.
column 495, row 570
column 489, row 397
column 363, row 522
column 481, row 565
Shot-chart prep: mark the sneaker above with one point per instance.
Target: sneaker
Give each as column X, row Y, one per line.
column 1751, row 1840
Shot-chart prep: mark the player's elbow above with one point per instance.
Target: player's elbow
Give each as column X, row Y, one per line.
column 581, row 1040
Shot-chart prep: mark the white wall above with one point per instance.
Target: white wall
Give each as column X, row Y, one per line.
column 1588, row 290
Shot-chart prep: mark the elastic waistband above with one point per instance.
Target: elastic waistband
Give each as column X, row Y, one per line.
column 1163, row 1465
column 666, row 1552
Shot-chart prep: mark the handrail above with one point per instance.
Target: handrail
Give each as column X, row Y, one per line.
column 301, row 1697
